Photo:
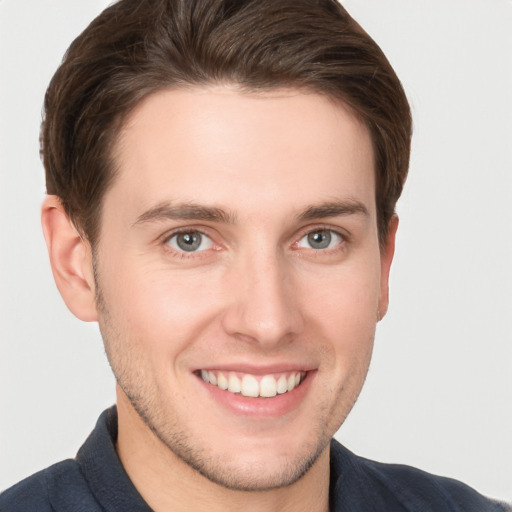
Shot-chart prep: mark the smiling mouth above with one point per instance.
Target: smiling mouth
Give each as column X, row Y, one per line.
column 254, row 386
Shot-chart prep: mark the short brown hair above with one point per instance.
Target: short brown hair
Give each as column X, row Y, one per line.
column 136, row 47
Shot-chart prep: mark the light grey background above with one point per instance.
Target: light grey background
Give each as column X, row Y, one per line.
column 439, row 392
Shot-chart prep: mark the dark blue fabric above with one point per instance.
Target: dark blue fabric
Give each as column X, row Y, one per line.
column 96, row 482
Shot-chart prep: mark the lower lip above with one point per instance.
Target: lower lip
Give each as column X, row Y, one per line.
column 276, row 406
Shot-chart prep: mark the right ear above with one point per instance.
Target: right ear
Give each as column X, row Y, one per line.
column 70, row 259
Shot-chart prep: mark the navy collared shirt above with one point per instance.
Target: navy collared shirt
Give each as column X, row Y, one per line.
column 95, row 481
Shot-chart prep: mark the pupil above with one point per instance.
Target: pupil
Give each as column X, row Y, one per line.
column 189, row 241
column 319, row 239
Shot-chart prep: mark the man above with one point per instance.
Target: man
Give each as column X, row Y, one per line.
column 222, row 179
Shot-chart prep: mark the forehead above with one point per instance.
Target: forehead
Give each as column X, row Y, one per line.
column 242, row 151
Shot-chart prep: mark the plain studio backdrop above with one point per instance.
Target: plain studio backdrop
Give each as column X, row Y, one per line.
column 439, row 391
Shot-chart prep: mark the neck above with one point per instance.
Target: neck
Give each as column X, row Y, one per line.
column 167, row 483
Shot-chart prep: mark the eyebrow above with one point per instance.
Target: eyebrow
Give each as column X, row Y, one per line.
column 185, row 211
column 334, row 209
column 193, row 211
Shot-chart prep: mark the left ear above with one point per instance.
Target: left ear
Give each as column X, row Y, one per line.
column 386, row 257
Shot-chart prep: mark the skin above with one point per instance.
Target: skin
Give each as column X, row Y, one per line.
column 275, row 167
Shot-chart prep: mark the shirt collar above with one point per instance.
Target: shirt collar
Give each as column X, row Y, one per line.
column 103, row 470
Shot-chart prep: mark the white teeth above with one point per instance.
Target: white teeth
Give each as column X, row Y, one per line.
column 291, row 382
column 222, row 382
column 268, row 386
column 282, row 385
column 234, row 384
column 250, row 386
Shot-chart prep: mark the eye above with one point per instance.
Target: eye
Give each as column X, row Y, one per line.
column 320, row 239
column 190, row 241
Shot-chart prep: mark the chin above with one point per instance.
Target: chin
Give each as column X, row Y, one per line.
column 249, row 463
column 253, row 473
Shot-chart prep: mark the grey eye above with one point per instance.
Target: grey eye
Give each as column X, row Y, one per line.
column 320, row 239
column 190, row 241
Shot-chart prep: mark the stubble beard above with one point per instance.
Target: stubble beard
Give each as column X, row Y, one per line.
column 179, row 442
column 174, row 437
column 219, row 469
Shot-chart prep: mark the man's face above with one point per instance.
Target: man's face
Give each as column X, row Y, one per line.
column 239, row 246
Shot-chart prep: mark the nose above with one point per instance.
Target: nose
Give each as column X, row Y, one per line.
column 263, row 306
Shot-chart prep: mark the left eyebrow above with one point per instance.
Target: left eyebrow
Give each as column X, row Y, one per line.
column 334, row 209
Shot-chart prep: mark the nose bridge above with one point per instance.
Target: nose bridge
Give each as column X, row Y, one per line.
column 262, row 305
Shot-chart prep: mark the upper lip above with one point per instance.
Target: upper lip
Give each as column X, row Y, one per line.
column 258, row 369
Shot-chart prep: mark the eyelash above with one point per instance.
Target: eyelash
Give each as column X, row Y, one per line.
column 343, row 239
column 182, row 253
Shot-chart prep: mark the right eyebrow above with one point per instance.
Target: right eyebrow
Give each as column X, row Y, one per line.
column 185, row 211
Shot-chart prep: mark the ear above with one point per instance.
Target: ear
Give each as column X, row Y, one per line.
column 386, row 257
column 70, row 259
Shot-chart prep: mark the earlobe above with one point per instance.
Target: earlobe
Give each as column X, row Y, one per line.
column 70, row 259
column 386, row 258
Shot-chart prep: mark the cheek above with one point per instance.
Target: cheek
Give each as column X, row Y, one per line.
column 157, row 307
column 342, row 311
column 346, row 299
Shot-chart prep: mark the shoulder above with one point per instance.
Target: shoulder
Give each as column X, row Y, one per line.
column 59, row 488
column 414, row 486
column 29, row 494
column 412, row 489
